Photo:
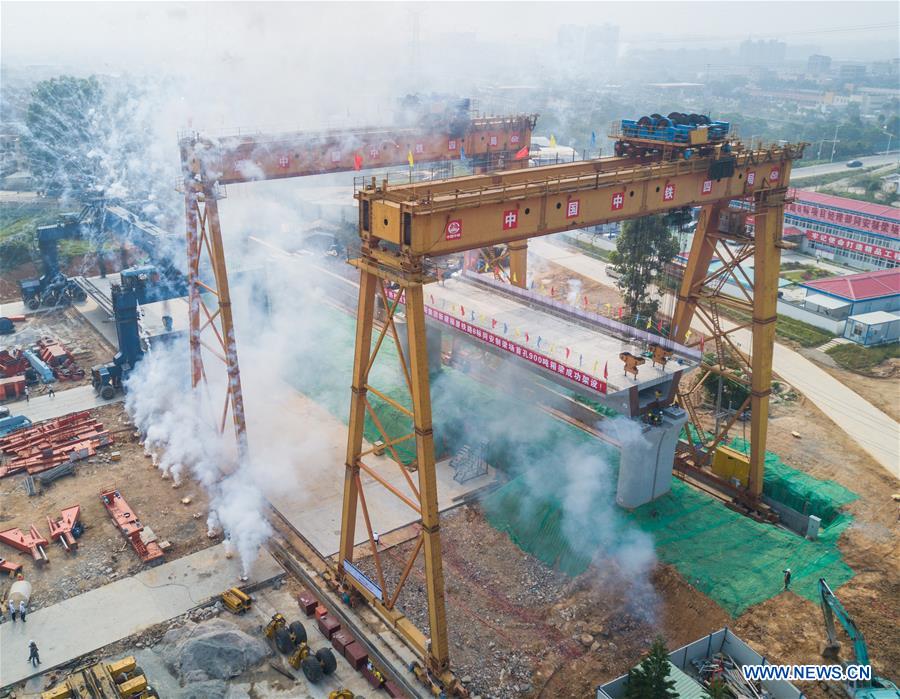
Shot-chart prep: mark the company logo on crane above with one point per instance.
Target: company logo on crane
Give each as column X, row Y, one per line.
column 453, row 231
column 510, row 219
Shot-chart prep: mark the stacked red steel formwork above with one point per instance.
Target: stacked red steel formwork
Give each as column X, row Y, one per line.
column 41, row 447
column 59, row 359
column 13, row 365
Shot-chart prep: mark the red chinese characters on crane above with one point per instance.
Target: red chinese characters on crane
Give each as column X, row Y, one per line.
column 618, row 201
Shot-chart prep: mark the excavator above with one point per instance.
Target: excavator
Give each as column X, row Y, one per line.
column 875, row 688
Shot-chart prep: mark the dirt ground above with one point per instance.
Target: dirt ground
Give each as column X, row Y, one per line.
column 67, row 326
column 551, row 277
column 103, row 554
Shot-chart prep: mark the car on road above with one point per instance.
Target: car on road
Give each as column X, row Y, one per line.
column 854, row 163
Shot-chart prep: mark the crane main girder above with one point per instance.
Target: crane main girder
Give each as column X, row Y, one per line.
column 248, row 158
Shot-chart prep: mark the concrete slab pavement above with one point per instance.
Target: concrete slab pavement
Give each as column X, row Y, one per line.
column 64, row 402
column 874, row 431
column 89, row 621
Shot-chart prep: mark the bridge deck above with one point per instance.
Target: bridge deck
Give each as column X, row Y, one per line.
column 569, row 348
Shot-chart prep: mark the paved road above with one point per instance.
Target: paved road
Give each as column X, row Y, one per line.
column 799, row 173
column 875, row 432
column 64, row 402
column 104, row 615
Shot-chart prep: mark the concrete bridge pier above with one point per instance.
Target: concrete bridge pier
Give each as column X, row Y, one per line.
column 645, row 465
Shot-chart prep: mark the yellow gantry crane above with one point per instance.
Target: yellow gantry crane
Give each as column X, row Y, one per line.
column 403, row 226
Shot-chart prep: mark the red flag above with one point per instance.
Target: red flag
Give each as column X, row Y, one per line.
column 606, row 370
column 357, row 162
column 526, row 337
column 553, row 291
column 585, row 302
column 432, row 298
column 493, row 323
column 659, row 326
column 620, row 313
column 701, row 344
column 462, row 311
column 522, row 153
column 567, row 352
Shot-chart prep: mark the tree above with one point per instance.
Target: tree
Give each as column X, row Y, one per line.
column 643, row 249
column 650, row 679
column 64, row 122
column 717, row 689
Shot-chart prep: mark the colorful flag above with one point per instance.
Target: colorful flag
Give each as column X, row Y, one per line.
column 620, row 313
column 409, row 158
column 701, row 344
column 539, row 341
column 504, row 328
column 522, row 153
column 606, row 370
column 687, row 335
column 493, row 323
column 357, row 162
column 568, row 351
column 593, row 138
column 462, row 311
column 526, row 337
column 596, row 364
column 431, row 296
column 649, row 322
column 515, row 281
column 659, row 326
column 462, row 153
column 552, row 141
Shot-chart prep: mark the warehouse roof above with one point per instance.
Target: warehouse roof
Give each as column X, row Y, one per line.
column 859, row 287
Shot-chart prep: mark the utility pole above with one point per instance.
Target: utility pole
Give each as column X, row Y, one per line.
column 834, row 142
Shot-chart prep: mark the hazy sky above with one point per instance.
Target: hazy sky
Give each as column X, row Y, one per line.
column 126, row 35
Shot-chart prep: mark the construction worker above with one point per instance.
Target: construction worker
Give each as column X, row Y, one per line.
column 787, row 578
column 375, row 538
column 33, row 656
column 12, row 609
column 27, row 395
column 22, row 609
column 50, row 392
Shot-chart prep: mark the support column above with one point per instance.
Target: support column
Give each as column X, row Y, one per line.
column 645, row 463
column 768, row 221
column 365, row 315
column 217, row 257
column 518, row 263
column 702, row 249
column 439, row 656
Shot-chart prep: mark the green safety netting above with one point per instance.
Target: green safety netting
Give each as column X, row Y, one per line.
column 799, row 490
column 734, row 560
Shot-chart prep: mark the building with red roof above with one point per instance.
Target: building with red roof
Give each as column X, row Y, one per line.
column 861, row 293
column 855, row 233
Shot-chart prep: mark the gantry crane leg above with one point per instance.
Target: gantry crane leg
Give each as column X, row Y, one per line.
column 703, row 248
column 436, row 649
column 518, row 263
column 768, row 222
column 439, row 659
column 205, row 232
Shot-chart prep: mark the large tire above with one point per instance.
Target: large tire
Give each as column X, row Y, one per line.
column 34, row 303
column 326, row 658
column 50, row 299
column 312, row 669
column 298, row 631
column 107, row 392
column 283, row 641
